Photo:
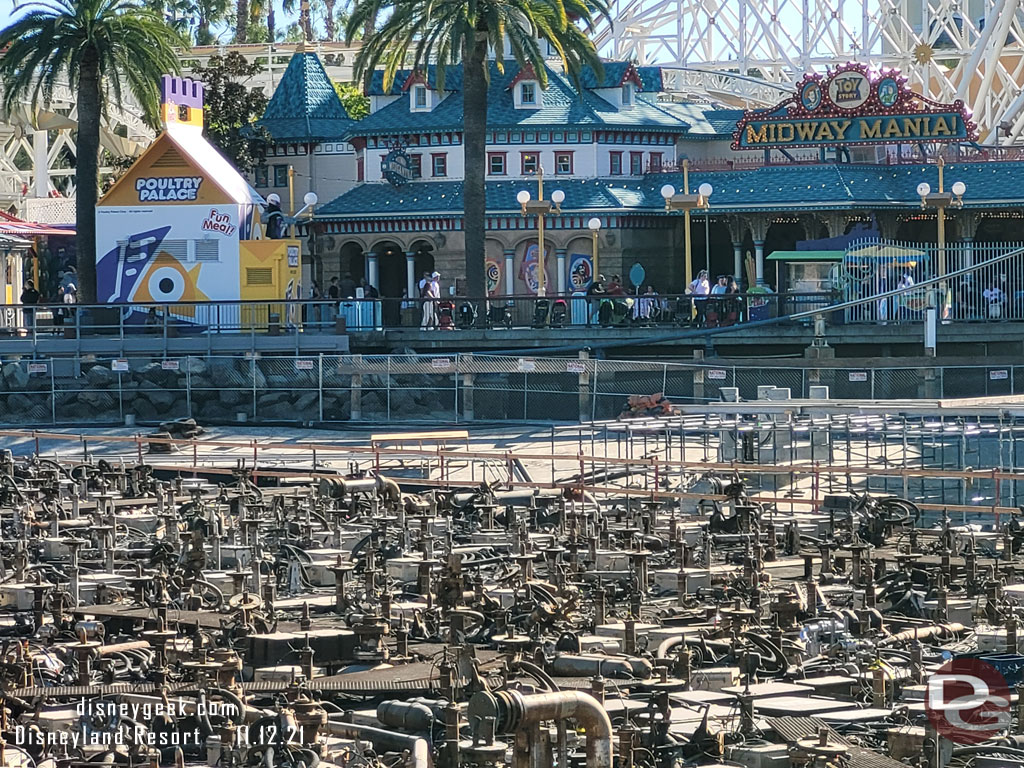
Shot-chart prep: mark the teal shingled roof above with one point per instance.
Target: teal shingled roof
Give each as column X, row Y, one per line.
column 778, row 188
column 305, row 106
column 561, row 107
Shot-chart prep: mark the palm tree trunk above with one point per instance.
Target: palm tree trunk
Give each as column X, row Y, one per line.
column 87, row 173
column 329, row 26
column 474, row 141
column 271, row 23
column 306, row 21
column 241, row 21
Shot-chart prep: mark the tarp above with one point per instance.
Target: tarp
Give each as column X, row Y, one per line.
column 882, row 252
column 806, row 256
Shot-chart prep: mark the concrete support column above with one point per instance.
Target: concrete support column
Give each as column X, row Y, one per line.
column 41, row 162
column 968, row 251
column 372, row 273
column 468, row 380
column 737, row 261
column 560, row 266
column 759, row 261
column 410, row 275
column 510, row 275
column 586, row 407
column 356, row 409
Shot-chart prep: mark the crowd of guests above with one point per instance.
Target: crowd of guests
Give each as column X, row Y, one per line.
column 65, row 296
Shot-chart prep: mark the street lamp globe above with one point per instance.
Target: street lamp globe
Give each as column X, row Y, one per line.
column 668, row 191
column 523, row 197
column 594, row 224
column 558, row 197
column 924, row 189
column 959, row 188
column 705, row 190
column 310, row 199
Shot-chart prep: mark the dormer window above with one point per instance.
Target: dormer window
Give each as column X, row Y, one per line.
column 627, row 94
column 420, row 97
column 528, row 93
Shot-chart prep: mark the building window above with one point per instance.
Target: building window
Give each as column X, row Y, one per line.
column 615, row 163
column 419, row 97
column 262, row 176
column 563, row 163
column 528, row 93
column 655, row 162
column 359, row 169
column 439, row 164
column 530, row 163
column 627, row 95
column 496, row 164
column 280, row 175
column 416, row 163
column 636, row 163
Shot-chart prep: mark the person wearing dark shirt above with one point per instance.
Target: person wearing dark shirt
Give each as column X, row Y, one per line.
column 29, row 296
column 333, row 292
column 369, row 292
column 347, row 287
column 274, row 218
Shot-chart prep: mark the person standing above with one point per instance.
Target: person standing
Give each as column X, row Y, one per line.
column 347, row 286
column 699, row 288
column 30, row 297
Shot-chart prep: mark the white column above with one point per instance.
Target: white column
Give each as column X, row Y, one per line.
column 737, row 262
column 510, row 278
column 968, row 251
column 371, row 269
column 41, row 164
column 560, row 265
column 759, row 261
column 410, row 275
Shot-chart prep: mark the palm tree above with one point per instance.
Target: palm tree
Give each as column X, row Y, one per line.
column 100, row 46
column 242, row 21
column 424, row 32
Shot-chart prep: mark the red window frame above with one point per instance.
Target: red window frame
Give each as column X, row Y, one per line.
column 523, row 156
column 443, row 157
column 636, row 163
column 612, row 157
column 655, row 161
column 491, row 156
column 416, row 163
column 563, row 155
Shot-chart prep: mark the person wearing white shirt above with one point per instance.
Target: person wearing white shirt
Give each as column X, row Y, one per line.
column 699, row 289
column 994, row 299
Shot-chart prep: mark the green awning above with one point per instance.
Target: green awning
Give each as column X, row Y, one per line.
column 806, row 255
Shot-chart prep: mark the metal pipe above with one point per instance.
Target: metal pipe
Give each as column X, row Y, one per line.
column 418, row 748
column 512, row 712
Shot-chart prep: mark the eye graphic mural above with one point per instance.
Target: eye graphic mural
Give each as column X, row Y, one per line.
column 169, row 280
column 120, row 270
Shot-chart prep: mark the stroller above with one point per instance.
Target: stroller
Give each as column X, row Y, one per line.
column 540, row 313
column 559, row 311
column 467, row 316
column 446, row 315
column 501, row 315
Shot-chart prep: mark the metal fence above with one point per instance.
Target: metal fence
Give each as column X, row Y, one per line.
column 454, row 388
column 990, row 293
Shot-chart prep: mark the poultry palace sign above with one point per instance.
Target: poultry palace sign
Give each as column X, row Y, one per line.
column 850, row 106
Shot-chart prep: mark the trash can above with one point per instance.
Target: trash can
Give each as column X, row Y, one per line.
column 274, row 324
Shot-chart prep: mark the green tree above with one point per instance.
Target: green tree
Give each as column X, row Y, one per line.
column 232, row 106
column 102, row 48
column 445, row 32
column 356, row 103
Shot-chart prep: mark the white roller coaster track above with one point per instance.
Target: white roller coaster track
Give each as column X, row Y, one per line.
column 948, row 49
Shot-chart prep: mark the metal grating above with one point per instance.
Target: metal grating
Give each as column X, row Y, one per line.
column 794, row 728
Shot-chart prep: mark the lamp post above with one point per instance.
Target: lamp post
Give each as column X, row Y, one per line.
column 540, row 208
column 705, row 190
column 940, row 201
column 686, row 202
column 595, row 228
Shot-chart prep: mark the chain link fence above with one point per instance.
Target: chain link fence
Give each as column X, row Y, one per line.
column 421, row 388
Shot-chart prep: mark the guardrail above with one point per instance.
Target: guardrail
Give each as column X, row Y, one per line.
column 357, row 314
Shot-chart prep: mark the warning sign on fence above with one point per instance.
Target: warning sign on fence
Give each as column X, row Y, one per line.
column 718, row 374
column 441, row 363
column 169, row 365
column 119, row 365
column 998, row 375
column 858, row 375
column 575, row 366
column 304, row 365
column 37, row 367
column 526, row 365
